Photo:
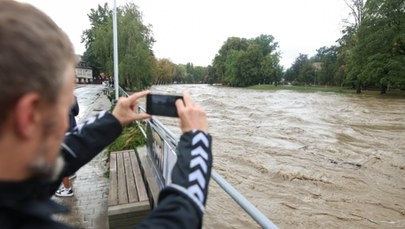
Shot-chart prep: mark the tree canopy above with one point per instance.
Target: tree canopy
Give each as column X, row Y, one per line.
column 138, row 67
column 134, row 45
column 244, row 62
column 378, row 58
column 370, row 53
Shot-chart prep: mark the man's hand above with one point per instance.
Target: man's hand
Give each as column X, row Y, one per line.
column 126, row 109
column 192, row 116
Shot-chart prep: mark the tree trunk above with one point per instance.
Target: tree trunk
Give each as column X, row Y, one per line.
column 383, row 89
column 358, row 88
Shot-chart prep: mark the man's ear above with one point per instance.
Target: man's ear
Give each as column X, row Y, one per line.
column 27, row 115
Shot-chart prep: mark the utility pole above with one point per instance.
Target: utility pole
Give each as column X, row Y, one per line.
column 115, row 51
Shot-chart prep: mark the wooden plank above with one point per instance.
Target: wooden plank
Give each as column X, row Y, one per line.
column 122, row 184
column 126, row 180
column 112, row 195
column 149, row 176
column 126, row 208
column 140, row 184
column 129, row 176
column 127, row 220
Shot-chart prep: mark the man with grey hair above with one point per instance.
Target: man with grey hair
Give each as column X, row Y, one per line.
column 36, row 92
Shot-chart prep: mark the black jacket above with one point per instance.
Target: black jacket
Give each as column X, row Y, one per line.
column 181, row 203
column 74, row 111
column 27, row 204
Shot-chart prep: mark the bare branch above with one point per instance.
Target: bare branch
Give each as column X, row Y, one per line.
column 356, row 7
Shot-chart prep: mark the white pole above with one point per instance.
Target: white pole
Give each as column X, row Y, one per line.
column 115, row 50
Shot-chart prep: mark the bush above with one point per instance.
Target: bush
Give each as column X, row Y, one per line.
column 130, row 138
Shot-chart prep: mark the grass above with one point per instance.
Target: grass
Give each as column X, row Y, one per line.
column 130, row 138
column 302, row 88
column 390, row 93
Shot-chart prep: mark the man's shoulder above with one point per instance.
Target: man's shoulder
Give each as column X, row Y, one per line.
column 18, row 218
column 26, row 210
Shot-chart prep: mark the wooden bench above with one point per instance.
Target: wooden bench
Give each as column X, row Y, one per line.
column 128, row 201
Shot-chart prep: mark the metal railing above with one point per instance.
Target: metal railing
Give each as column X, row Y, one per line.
column 161, row 147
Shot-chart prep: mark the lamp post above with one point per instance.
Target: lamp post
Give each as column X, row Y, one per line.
column 115, row 46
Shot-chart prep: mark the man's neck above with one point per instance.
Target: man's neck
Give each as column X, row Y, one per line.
column 13, row 160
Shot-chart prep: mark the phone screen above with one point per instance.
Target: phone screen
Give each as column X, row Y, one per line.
column 162, row 105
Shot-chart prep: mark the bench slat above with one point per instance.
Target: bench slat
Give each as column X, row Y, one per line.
column 128, row 201
column 113, row 196
column 122, row 187
column 140, row 185
column 129, row 176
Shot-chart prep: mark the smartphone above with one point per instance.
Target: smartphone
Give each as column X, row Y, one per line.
column 162, row 105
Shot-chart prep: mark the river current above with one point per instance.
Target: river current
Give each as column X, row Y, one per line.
column 306, row 160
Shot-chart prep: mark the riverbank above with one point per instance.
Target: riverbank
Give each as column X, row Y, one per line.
column 390, row 93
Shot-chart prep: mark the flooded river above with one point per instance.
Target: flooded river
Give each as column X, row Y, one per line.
column 306, row 160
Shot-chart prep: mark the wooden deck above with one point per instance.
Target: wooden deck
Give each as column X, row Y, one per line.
column 128, row 201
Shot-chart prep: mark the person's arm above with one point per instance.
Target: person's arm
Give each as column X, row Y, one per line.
column 181, row 204
column 75, row 108
column 88, row 139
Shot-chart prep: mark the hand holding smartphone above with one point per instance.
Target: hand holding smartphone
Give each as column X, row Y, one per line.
column 162, row 105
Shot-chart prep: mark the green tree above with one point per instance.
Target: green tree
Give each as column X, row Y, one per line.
column 249, row 65
column 179, row 73
column 211, row 77
column 164, row 72
column 379, row 55
column 134, row 45
column 135, row 49
column 307, row 73
column 242, row 62
column 231, row 45
column 271, row 69
column 190, row 75
column 296, row 74
column 266, row 43
column 347, row 42
column 290, row 75
column 327, row 56
column 98, row 18
column 356, row 11
column 232, row 68
column 200, row 74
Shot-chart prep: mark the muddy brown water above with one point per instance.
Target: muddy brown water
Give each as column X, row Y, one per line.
column 306, row 160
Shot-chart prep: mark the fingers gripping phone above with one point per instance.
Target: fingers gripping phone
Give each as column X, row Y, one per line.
column 162, row 105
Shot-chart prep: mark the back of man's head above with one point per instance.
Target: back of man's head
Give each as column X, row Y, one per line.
column 34, row 54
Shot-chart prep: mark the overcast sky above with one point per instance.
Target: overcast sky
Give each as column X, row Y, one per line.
column 194, row 30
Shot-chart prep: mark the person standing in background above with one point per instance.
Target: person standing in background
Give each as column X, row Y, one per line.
column 66, row 189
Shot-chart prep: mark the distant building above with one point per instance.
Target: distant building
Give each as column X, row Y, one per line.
column 84, row 74
column 317, row 66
